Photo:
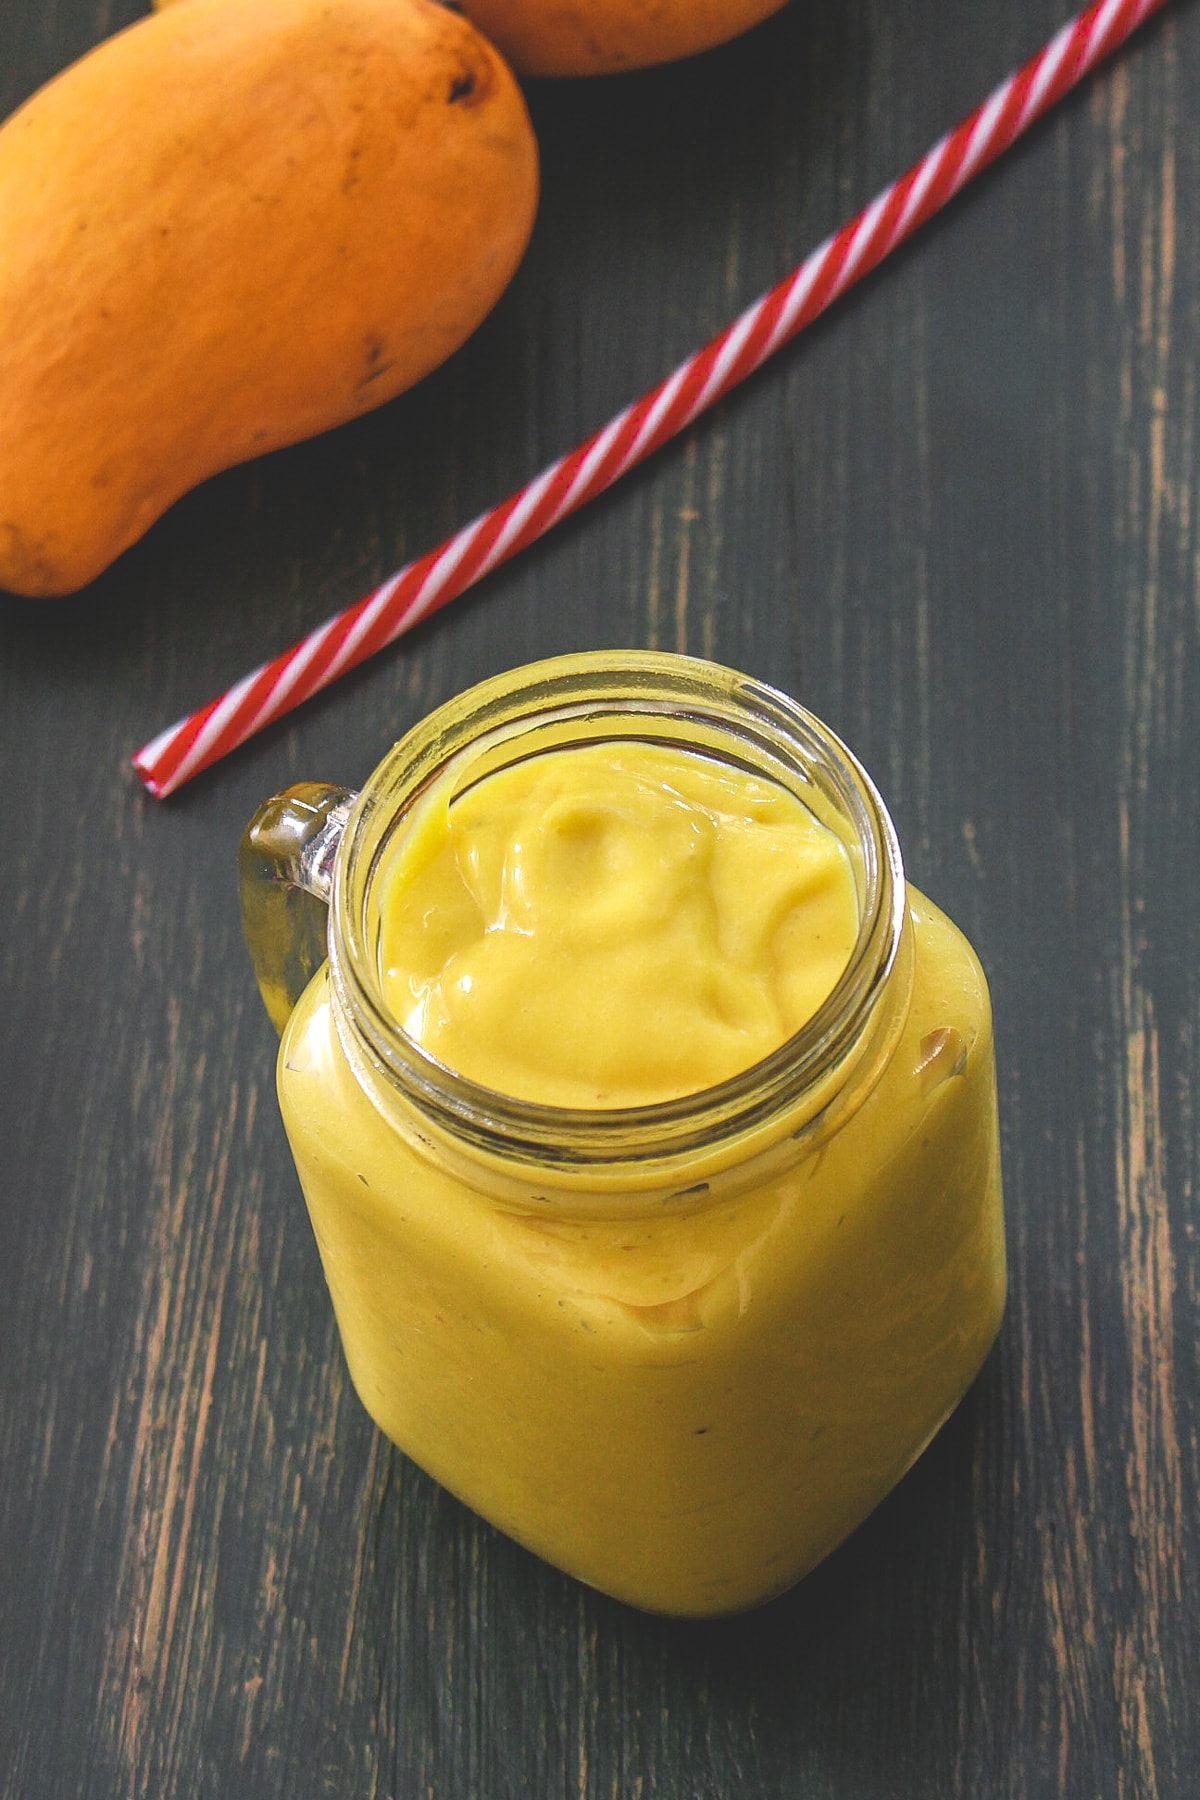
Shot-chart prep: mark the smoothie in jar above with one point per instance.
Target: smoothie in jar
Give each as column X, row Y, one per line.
column 647, row 1124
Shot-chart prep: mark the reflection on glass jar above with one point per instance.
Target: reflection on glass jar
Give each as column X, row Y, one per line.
column 679, row 1346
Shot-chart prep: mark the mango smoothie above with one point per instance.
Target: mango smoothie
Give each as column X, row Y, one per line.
column 613, row 926
column 647, row 1126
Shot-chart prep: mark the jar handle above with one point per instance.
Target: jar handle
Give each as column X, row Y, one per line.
column 285, row 873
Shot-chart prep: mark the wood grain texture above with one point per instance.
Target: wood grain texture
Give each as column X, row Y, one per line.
column 961, row 520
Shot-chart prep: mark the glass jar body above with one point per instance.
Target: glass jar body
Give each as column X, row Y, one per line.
column 682, row 1375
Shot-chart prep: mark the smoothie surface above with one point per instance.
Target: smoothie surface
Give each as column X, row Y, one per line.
column 612, row 925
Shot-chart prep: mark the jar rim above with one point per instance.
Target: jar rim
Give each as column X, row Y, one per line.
column 689, row 703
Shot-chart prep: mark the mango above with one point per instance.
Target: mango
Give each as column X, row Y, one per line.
column 598, row 37
column 229, row 227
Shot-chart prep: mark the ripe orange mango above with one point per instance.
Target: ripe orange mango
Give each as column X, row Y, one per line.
column 229, row 227
column 598, row 37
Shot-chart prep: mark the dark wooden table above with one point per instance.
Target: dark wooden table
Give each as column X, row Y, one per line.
column 961, row 520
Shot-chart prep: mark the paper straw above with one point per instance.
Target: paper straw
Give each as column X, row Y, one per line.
column 418, row 589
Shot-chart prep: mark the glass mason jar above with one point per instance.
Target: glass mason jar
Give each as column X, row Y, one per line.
column 679, row 1350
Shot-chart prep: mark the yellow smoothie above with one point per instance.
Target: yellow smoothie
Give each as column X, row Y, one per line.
column 613, row 925
column 686, row 1381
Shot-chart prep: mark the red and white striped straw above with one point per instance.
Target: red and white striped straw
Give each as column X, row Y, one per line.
column 862, row 243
